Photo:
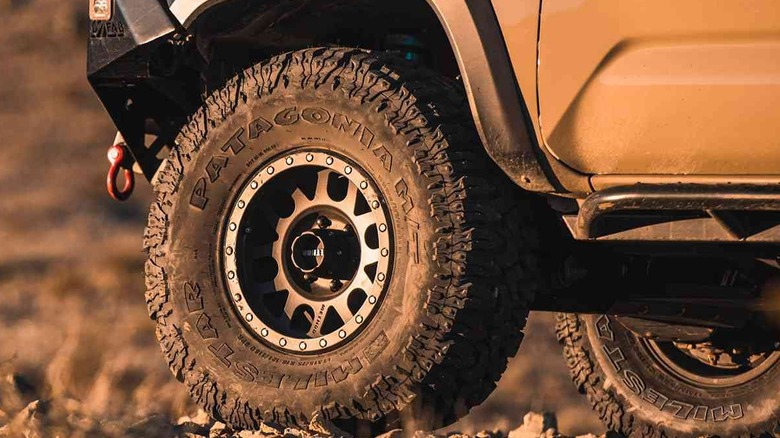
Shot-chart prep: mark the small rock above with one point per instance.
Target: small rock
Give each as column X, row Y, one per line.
column 292, row 432
column 218, row 430
column 193, row 430
column 29, row 423
column 16, row 392
column 486, row 434
column 255, row 434
column 395, row 433
column 320, row 426
column 270, row 430
column 155, row 426
column 536, row 425
column 201, row 417
column 197, row 425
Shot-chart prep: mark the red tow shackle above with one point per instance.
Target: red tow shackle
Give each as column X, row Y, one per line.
column 120, row 159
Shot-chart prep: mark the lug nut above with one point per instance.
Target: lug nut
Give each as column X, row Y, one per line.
column 323, row 222
column 335, row 285
column 309, row 278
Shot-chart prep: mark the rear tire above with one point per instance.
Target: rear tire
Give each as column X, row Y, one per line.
column 638, row 393
column 462, row 271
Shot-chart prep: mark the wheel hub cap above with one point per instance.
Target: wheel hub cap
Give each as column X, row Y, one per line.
column 307, row 252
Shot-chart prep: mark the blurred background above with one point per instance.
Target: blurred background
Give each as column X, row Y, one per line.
column 73, row 324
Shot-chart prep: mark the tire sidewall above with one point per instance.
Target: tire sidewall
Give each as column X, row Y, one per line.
column 221, row 343
column 661, row 399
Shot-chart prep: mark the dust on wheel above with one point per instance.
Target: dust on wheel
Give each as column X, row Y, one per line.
column 329, row 238
column 643, row 387
column 307, row 251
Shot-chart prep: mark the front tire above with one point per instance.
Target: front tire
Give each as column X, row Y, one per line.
column 449, row 302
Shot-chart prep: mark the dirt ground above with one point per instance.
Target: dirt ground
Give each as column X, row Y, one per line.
column 73, row 323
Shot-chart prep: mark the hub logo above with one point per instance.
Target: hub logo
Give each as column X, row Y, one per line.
column 317, row 252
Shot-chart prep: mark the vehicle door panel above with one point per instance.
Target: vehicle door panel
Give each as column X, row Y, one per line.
column 661, row 86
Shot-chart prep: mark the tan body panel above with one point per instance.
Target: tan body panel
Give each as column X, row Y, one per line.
column 660, row 86
column 519, row 21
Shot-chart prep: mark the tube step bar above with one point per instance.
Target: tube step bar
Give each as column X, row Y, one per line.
column 682, row 212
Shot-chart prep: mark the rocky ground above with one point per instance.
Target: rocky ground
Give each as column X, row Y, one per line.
column 37, row 418
column 78, row 355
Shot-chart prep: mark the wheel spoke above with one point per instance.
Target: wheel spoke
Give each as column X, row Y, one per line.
column 321, row 192
column 293, row 302
column 368, row 256
column 282, row 283
column 342, row 308
column 278, row 223
column 276, row 251
column 315, row 332
column 350, row 201
column 300, row 200
column 362, row 223
column 362, row 281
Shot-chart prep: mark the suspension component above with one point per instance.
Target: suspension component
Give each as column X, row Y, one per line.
column 120, row 159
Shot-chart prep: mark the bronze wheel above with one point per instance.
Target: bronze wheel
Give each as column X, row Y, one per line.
column 712, row 366
column 307, row 251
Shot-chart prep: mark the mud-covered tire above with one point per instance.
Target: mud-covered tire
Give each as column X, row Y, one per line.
column 464, row 268
column 636, row 396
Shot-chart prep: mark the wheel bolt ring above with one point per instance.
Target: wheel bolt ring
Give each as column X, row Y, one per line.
column 254, row 187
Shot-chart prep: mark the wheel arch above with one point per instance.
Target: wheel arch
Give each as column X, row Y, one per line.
column 474, row 45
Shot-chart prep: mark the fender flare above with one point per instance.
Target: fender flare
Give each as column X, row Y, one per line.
column 496, row 102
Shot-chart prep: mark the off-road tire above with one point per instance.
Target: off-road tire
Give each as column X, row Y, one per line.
column 633, row 395
column 465, row 269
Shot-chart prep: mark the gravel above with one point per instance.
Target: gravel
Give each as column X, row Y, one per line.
column 45, row 418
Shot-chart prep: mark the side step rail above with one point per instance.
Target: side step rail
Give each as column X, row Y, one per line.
column 684, row 212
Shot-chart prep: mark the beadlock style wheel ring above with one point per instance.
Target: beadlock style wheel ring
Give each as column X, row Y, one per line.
column 307, row 252
column 698, row 373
